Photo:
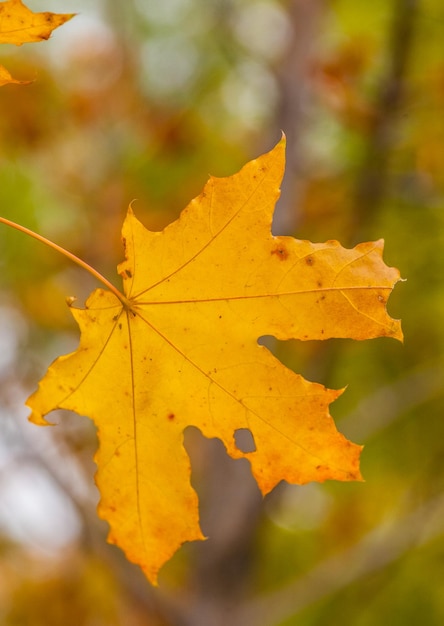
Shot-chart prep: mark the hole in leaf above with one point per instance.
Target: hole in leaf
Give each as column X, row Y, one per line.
column 267, row 340
column 244, row 440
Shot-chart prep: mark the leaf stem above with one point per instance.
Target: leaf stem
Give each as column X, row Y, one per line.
column 70, row 256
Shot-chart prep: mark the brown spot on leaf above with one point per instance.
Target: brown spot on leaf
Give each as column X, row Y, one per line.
column 171, row 416
column 281, row 252
column 309, row 260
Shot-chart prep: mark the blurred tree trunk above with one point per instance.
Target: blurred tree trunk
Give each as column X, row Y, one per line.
column 374, row 178
column 293, row 109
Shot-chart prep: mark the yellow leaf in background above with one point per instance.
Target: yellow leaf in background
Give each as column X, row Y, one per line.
column 19, row 25
column 182, row 349
column 6, row 78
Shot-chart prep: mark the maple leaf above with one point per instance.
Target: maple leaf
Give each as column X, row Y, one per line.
column 19, row 25
column 181, row 348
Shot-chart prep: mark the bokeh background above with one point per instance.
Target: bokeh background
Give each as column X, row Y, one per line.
column 141, row 100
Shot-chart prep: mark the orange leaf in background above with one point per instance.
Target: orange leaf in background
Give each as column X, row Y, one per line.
column 181, row 348
column 19, row 25
column 6, row 78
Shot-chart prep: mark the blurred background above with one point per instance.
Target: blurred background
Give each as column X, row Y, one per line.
column 142, row 100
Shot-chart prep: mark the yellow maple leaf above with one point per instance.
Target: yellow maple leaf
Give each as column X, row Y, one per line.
column 19, row 25
column 181, row 348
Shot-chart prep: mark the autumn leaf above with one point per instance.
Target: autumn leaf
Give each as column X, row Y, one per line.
column 19, row 25
column 181, row 348
column 6, row 78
